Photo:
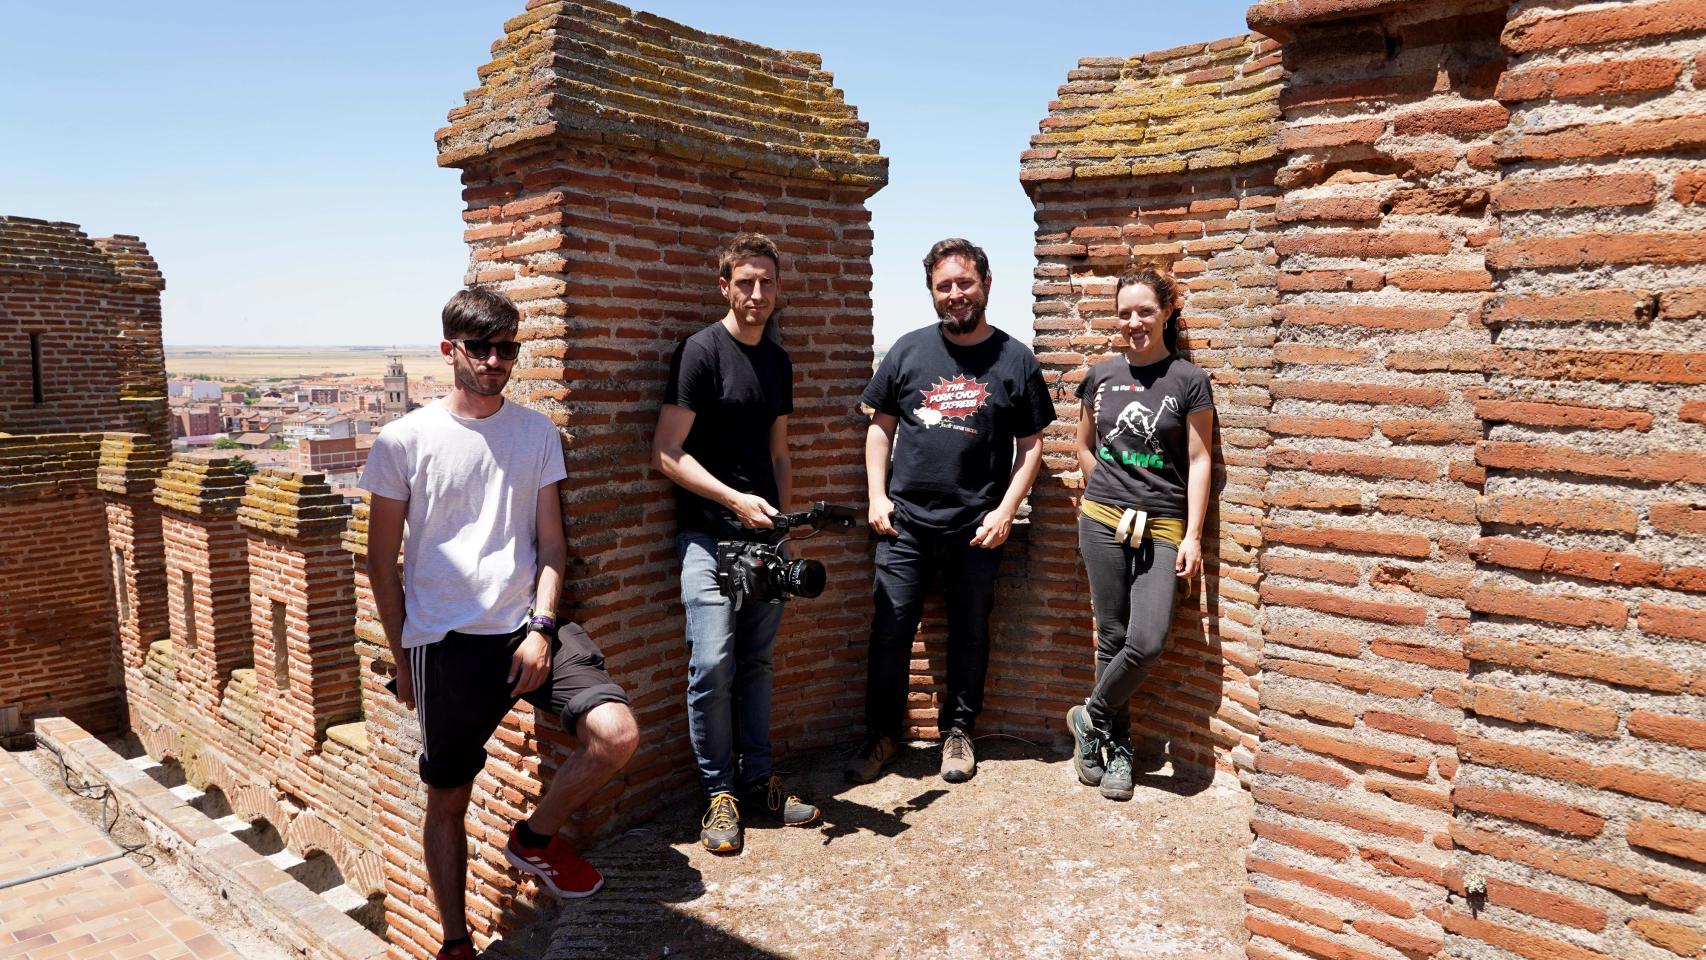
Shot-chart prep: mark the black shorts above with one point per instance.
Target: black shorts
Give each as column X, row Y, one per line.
column 462, row 692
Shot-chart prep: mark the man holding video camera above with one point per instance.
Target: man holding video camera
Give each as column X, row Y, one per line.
column 722, row 439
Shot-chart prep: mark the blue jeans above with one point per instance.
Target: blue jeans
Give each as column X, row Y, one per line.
column 728, row 673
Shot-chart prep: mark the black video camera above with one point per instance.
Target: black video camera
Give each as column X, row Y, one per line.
column 757, row 570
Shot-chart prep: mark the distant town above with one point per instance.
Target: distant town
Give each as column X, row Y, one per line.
column 323, row 423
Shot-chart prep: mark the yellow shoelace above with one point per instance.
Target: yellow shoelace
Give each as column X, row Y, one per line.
column 723, row 813
column 775, row 796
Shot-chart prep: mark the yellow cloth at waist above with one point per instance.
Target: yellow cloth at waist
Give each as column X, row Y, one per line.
column 1168, row 529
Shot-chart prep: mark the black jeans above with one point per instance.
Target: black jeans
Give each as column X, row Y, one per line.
column 1132, row 589
column 905, row 565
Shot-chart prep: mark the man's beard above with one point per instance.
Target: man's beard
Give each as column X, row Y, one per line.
column 471, row 382
column 958, row 327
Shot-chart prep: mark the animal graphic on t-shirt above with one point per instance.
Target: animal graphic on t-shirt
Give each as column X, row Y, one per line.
column 1139, row 419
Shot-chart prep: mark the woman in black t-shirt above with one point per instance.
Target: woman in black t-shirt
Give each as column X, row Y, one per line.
column 1143, row 446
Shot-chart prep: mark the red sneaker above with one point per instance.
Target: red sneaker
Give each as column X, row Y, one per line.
column 558, row 868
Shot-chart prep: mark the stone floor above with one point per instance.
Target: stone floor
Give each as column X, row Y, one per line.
column 107, row 910
column 1021, row 862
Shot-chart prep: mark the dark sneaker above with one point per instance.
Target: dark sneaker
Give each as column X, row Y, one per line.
column 1087, row 746
column 1116, row 781
column 559, row 869
column 958, row 761
column 462, row 950
column 720, row 831
column 777, row 804
column 873, row 756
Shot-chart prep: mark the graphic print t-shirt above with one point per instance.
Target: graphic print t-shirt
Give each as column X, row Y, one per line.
column 960, row 409
column 736, row 392
column 1141, row 452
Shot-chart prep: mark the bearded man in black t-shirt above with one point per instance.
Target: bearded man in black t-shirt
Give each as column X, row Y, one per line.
column 722, row 438
column 948, row 405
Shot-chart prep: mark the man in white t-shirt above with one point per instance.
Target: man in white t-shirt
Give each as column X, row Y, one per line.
column 472, row 480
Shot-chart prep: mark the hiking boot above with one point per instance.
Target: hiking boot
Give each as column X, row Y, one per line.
column 873, row 756
column 775, row 802
column 958, row 761
column 1087, row 745
column 559, row 869
column 720, row 831
column 460, row 950
column 1116, row 780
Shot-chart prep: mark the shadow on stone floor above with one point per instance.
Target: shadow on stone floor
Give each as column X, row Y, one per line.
column 1022, row 861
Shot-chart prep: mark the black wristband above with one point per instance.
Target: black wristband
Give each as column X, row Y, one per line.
column 543, row 624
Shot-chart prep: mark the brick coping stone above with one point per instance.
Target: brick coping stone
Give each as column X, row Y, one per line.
column 267, row 896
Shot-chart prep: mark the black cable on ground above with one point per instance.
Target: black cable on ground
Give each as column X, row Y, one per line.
column 104, row 794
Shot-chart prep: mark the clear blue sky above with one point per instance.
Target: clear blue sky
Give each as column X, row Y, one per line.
column 278, row 158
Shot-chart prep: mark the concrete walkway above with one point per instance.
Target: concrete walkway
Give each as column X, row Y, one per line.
column 108, row 910
column 1021, row 862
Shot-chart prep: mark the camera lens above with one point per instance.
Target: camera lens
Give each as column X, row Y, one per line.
column 804, row 578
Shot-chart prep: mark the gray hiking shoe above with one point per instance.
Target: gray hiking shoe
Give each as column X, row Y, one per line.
column 1088, row 744
column 720, row 829
column 958, row 761
column 773, row 800
column 1116, row 779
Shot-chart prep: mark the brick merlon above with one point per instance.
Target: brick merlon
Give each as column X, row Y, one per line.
column 600, row 72
column 1278, row 18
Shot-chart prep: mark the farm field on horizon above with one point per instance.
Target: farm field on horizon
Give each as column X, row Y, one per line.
column 289, row 362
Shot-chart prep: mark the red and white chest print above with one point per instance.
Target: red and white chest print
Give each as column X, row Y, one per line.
column 951, row 403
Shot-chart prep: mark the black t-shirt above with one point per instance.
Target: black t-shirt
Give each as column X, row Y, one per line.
column 736, row 392
column 960, row 409
column 1142, row 457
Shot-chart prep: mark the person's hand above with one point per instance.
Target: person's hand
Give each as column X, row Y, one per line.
column 530, row 662
column 1189, row 563
column 753, row 511
column 881, row 515
column 405, row 684
column 993, row 531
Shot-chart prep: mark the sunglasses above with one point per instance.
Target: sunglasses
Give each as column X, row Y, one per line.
column 481, row 349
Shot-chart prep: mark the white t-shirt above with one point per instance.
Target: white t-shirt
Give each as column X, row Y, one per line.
column 470, row 560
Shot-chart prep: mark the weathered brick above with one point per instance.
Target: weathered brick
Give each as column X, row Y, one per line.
column 1564, row 714
column 1608, row 78
column 1623, row 22
column 1681, row 940
column 1561, row 817
column 1567, row 193
column 1592, row 249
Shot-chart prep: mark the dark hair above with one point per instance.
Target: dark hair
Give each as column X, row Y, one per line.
column 1166, row 290
column 480, row 314
column 956, row 247
column 746, row 246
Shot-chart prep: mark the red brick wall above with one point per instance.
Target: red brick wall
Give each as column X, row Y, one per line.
column 57, row 613
column 95, row 306
column 1482, row 677
column 1579, row 801
column 1373, row 480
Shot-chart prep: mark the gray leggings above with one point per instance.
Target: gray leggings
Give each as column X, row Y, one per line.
column 1132, row 589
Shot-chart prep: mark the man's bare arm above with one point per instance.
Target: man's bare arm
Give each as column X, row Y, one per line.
column 384, row 538
column 781, row 463
column 998, row 523
column 879, row 440
column 531, row 662
column 673, row 461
